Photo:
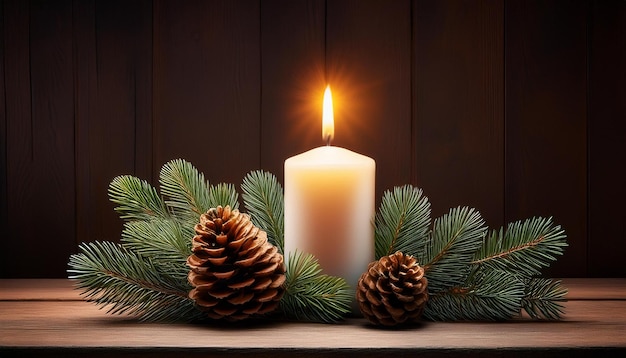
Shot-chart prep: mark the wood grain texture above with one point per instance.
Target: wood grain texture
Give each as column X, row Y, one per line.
column 113, row 107
column 293, row 79
column 368, row 66
column 3, row 141
column 515, row 108
column 607, row 147
column 67, row 327
column 40, row 141
column 546, row 137
column 206, row 96
column 458, row 107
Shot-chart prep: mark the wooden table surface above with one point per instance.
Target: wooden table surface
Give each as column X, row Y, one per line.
column 47, row 318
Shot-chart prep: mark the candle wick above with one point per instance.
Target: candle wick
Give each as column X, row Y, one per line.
column 328, row 141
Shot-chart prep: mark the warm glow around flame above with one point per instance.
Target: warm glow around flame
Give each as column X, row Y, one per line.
column 328, row 121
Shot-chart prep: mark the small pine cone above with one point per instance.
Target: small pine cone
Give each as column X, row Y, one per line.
column 236, row 273
column 393, row 290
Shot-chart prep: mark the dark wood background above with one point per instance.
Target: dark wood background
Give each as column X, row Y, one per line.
column 517, row 108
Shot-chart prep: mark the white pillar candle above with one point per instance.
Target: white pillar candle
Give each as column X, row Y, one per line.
column 329, row 207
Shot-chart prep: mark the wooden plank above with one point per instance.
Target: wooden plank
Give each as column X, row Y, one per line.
column 33, row 289
column 206, row 99
column 113, row 109
column 458, row 112
column 292, row 79
column 595, row 289
column 43, row 317
column 546, row 137
column 368, row 54
column 63, row 289
column 40, row 136
column 71, row 325
column 607, row 148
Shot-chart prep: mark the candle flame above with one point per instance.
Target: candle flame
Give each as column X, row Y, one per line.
column 328, row 120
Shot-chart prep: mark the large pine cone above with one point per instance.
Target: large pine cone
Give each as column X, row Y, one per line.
column 393, row 290
column 235, row 271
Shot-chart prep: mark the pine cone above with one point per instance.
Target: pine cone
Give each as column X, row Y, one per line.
column 393, row 290
column 235, row 271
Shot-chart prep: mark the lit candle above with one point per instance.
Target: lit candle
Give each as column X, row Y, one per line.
column 329, row 205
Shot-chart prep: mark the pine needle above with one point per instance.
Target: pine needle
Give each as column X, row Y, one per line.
column 165, row 241
column 223, row 195
column 186, row 189
column 543, row 297
column 492, row 296
column 311, row 295
column 136, row 199
column 525, row 247
column 263, row 198
column 454, row 240
column 126, row 283
column 402, row 222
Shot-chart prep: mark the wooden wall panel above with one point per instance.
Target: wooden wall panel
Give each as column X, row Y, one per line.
column 458, row 121
column 206, row 97
column 607, row 131
column 293, row 79
column 546, row 156
column 40, row 142
column 368, row 59
column 3, row 144
column 113, row 106
column 513, row 107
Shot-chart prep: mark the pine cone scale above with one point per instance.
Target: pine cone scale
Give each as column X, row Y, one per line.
column 236, row 273
column 393, row 290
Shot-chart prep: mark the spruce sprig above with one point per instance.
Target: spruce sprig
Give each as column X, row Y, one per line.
column 455, row 238
column 263, row 198
column 136, row 199
column 543, row 298
column 311, row 295
column 493, row 296
column 165, row 241
column 127, row 283
column 146, row 276
column 402, row 223
column 525, row 246
column 473, row 275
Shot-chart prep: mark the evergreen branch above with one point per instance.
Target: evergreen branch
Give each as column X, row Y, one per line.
column 186, row 189
column 224, row 195
column 311, row 295
column 165, row 241
column 263, row 198
column 137, row 199
column 110, row 275
column 454, row 240
column 402, row 222
column 525, row 247
column 542, row 298
column 494, row 296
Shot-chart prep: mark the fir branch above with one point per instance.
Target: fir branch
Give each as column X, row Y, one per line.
column 402, row 222
column 494, row 296
column 454, row 240
column 186, row 189
column 543, row 297
column 137, row 199
column 223, row 195
column 263, row 198
column 525, row 247
column 165, row 241
column 110, row 275
column 311, row 295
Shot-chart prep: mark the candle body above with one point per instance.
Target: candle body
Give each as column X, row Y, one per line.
column 329, row 207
